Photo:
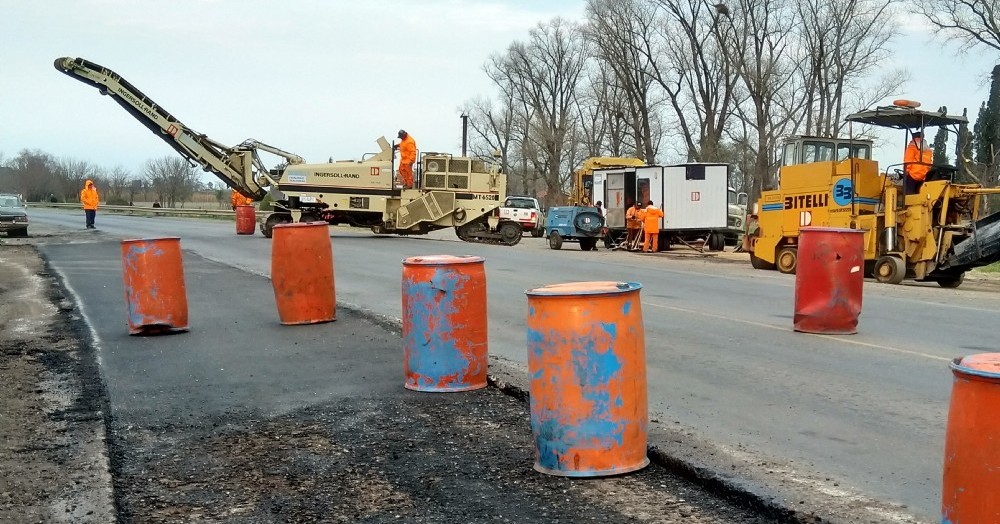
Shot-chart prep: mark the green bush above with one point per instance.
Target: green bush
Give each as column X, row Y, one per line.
column 116, row 201
column 266, row 204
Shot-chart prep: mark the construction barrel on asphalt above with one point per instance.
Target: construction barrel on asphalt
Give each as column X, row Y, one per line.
column 445, row 346
column 155, row 295
column 246, row 220
column 302, row 273
column 829, row 280
column 587, row 372
column 971, row 488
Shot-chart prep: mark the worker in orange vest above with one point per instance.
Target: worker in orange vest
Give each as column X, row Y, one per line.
column 633, row 225
column 239, row 200
column 917, row 161
column 651, row 224
column 89, row 199
column 407, row 156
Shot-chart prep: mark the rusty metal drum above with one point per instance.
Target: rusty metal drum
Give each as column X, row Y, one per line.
column 246, row 220
column 587, row 372
column 829, row 280
column 445, row 346
column 302, row 273
column 971, row 488
column 155, row 295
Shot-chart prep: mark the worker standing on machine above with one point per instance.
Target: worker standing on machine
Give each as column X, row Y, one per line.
column 651, row 222
column 917, row 162
column 407, row 156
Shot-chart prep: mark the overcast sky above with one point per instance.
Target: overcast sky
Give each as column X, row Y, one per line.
column 319, row 78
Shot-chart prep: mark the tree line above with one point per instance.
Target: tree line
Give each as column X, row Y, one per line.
column 39, row 176
column 683, row 80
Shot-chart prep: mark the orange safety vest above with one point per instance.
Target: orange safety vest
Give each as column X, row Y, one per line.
column 917, row 160
column 651, row 219
column 88, row 196
column 407, row 150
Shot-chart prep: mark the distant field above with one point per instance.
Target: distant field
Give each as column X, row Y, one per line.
column 992, row 268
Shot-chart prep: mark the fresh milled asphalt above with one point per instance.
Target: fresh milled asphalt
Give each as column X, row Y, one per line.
column 854, row 421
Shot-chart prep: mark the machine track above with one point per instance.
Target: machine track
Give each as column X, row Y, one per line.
column 508, row 234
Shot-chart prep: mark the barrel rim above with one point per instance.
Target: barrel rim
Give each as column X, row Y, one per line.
column 957, row 366
column 300, row 224
column 442, row 260
column 552, row 290
column 157, row 239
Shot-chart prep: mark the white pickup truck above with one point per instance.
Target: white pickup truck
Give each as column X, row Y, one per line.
column 524, row 210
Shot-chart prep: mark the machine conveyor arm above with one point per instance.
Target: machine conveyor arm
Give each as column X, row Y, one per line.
column 239, row 167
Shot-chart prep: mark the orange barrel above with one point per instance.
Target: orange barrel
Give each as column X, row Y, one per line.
column 829, row 279
column 302, row 273
column 444, row 323
column 153, row 274
column 587, row 370
column 971, row 491
column 246, row 220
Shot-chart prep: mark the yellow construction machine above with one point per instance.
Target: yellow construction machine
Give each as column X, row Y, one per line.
column 451, row 191
column 935, row 234
column 583, row 178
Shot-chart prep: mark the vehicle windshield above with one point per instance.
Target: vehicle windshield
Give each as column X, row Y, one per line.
column 9, row 201
column 520, row 203
column 732, row 197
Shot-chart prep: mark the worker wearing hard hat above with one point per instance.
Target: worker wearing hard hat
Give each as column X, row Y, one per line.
column 239, row 200
column 633, row 225
column 651, row 224
column 407, row 156
column 917, row 162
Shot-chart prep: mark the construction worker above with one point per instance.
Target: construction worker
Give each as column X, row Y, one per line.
column 239, row 200
column 89, row 198
column 917, row 162
column 633, row 226
column 407, row 156
column 651, row 224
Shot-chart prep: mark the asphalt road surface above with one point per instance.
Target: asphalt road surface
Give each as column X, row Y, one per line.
column 854, row 419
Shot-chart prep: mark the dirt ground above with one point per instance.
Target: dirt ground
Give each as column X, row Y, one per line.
column 52, row 450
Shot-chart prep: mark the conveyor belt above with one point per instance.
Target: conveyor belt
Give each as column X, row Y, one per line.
column 980, row 249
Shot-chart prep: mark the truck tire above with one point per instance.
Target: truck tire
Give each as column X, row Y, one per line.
column 716, row 242
column 537, row 232
column 555, row 240
column 787, row 260
column 588, row 244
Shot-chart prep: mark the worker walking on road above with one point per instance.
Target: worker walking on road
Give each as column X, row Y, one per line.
column 651, row 223
column 407, row 156
column 917, row 162
column 239, row 200
column 89, row 198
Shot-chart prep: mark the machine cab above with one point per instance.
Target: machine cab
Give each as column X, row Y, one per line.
column 810, row 149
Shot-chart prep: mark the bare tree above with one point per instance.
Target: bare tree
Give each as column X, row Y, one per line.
column 118, row 181
column 74, row 173
column 171, row 178
column 847, row 42
column 618, row 29
column 972, row 23
column 544, row 73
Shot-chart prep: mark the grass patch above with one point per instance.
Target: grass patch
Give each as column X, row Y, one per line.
column 992, row 268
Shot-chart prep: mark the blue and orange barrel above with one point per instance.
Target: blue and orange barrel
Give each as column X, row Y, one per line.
column 587, row 371
column 246, row 220
column 971, row 488
column 155, row 295
column 445, row 346
column 302, row 273
column 829, row 280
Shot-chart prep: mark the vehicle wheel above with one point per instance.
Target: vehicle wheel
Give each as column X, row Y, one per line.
column 759, row 263
column 18, row 232
column 267, row 228
column 889, row 269
column 510, row 233
column 716, row 242
column 537, row 232
column 952, row 282
column 787, row 260
column 588, row 244
column 555, row 240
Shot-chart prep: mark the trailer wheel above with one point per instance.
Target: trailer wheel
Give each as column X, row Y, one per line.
column 555, row 240
column 537, row 232
column 716, row 242
column 889, row 270
column 787, row 260
column 952, row 282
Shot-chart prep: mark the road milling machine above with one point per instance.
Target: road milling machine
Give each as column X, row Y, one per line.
column 934, row 235
column 459, row 192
